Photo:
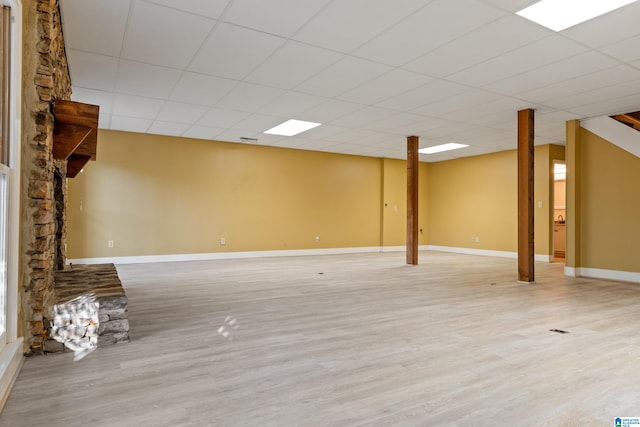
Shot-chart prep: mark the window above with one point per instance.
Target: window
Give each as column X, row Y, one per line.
column 5, row 162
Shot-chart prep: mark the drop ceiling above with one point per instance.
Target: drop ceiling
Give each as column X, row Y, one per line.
column 371, row 71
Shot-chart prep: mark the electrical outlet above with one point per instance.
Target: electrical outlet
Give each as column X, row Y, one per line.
column 110, row 243
column 317, row 239
column 223, row 241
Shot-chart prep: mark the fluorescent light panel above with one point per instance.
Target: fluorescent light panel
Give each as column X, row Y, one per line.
column 441, row 148
column 291, row 127
column 559, row 15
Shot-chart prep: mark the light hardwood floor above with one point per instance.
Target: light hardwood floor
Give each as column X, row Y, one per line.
column 350, row 340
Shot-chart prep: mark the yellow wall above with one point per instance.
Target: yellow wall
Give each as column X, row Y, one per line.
column 155, row 195
column 544, row 192
column 474, row 197
column 394, row 206
column 159, row 195
column 609, row 205
column 477, row 197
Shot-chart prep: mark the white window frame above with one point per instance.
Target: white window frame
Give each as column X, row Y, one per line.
column 11, row 355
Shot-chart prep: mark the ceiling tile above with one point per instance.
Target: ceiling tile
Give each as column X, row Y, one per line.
column 292, row 103
column 136, row 106
column 349, row 135
column 324, row 131
column 434, row 91
column 104, row 35
column 320, row 145
column 209, row 8
column 391, row 84
column 219, row 118
column 344, row 63
column 614, row 26
column 396, row 121
column 363, row 116
column 194, row 88
column 202, row 132
column 292, row 64
column 609, row 107
column 554, row 117
column 613, row 91
column 492, row 39
column 135, row 78
column 249, row 97
column 354, row 22
column 466, row 99
column 177, row 112
column 511, row 5
column 258, row 123
column 435, row 25
column 585, row 63
column 233, row 52
column 342, row 76
column 329, row 111
column 281, row 17
column 167, row 128
column 104, row 121
column 535, row 55
column 130, row 124
column 96, row 97
column 424, row 127
column 625, row 50
column 151, row 35
column 599, row 79
column 380, row 140
column 92, row 71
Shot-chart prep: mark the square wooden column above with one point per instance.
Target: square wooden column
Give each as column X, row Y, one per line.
column 574, row 216
column 526, row 257
column 413, row 167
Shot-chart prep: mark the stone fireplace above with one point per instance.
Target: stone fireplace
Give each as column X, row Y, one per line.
column 59, row 138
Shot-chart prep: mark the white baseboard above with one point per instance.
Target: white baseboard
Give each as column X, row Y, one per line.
column 11, row 360
column 227, row 255
column 598, row 273
column 143, row 259
column 570, row 271
column 486, row 252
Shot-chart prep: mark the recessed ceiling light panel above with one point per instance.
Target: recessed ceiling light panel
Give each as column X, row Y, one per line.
column 559, row 15
column 291, row 128
column 441, row 148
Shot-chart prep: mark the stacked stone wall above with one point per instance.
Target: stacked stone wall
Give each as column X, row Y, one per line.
column 45, row 79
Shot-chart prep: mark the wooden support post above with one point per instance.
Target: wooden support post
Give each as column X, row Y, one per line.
column 526, row 255
column 413, row 167
column 574, row 195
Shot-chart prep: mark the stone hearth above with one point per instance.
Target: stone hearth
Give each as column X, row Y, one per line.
column 102, row 281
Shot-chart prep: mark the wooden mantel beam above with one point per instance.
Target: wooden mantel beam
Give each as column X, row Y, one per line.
column 75, row 134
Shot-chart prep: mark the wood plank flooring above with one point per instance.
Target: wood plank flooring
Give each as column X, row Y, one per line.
column 350, row 340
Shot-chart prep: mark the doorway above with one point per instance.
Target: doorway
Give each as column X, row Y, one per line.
column 559, row 210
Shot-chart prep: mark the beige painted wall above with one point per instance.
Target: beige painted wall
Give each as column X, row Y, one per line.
column 544, row 192
column 474, row 197
column 155, row 195
column 394, row 207
column 609, row 205
column 477, row 197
